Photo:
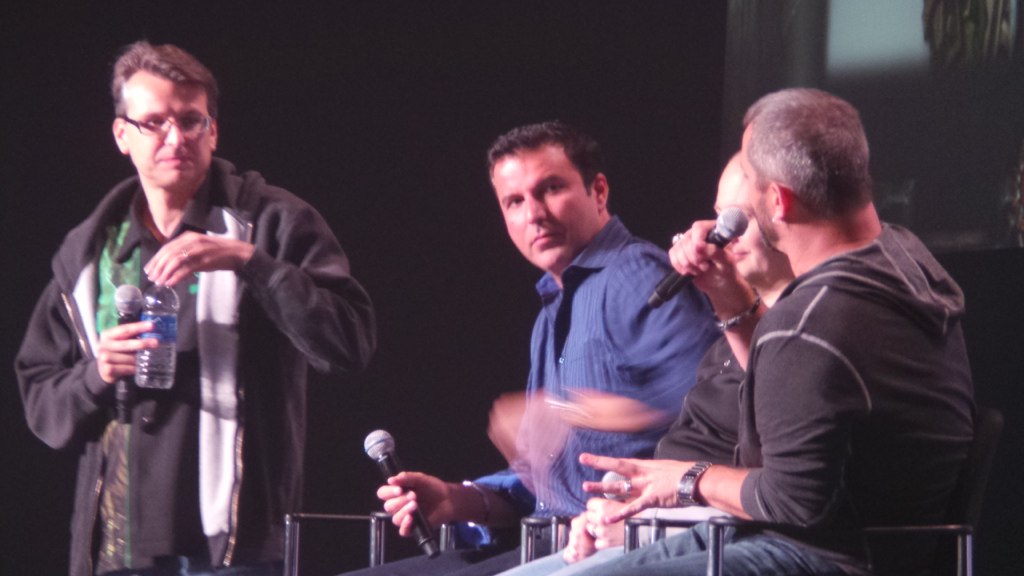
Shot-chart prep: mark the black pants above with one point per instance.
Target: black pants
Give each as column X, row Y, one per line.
column 185, row 567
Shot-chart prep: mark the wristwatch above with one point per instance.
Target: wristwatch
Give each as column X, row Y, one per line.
column 688, row 484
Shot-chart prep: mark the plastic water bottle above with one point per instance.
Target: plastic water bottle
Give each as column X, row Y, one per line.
column 154, row 367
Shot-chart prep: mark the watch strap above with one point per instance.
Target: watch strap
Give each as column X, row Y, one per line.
column 688, row 484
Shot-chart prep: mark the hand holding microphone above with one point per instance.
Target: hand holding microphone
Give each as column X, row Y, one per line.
column 128, row 301
column 380, row 446
column 731, row 224
column 589, row 533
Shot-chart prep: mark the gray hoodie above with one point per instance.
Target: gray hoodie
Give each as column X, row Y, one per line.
column 857, row 409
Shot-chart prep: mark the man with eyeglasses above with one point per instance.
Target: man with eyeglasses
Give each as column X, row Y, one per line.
column 193, row 479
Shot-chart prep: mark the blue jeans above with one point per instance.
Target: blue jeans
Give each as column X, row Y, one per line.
column 748, row 554
column 484, row 562
column 553, row 565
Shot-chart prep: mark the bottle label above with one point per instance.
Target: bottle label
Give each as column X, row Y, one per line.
column 165, row 327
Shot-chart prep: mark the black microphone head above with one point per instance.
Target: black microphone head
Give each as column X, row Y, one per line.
column 731, row 223
column 378, row 443
column 128, row 300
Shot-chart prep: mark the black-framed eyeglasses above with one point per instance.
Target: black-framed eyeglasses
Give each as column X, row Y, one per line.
column 189, row 126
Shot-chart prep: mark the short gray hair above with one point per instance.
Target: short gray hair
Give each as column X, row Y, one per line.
column 814, row 143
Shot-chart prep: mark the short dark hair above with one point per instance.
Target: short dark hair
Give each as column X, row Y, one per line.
column 582, row 150
column 167, row 61
column 814, row 143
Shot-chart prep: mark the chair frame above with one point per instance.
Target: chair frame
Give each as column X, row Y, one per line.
column 293, row 534
column 378, row 522
column 529, row 528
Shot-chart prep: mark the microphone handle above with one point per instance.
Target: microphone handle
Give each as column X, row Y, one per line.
column 122, row 395
column 389, row 465
column 673, row 282
column 424, row 537
column 669, row 286
column 123, row 386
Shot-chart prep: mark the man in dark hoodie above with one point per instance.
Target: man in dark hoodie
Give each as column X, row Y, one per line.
column 193, row 479
column 857, row 409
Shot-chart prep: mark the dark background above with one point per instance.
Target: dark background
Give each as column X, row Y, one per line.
column 379, row 114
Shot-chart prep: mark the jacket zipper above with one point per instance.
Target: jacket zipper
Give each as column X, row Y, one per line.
column 83, row 342
column 229, row 552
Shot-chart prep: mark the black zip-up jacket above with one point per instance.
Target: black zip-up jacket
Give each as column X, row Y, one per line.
column 298, row 307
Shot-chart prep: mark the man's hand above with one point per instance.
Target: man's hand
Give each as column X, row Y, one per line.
column 581, row 543
column 655, row 480
column 712, row 270
column 709, row 265
column 589, row 533
column 115, row 354
column 506, row 418
column 605, row 535
column 606, row 412
column 411, row 491
column 193, row 252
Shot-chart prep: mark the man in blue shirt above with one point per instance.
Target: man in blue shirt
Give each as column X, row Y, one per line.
column 610, row 368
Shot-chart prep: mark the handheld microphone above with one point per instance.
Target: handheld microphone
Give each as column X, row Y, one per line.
column 128, row 301
column 380, row 446
column 610, row 476
column 731, row 224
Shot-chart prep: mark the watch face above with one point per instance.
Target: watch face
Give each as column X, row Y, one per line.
column 685, row 491
column 686, row 485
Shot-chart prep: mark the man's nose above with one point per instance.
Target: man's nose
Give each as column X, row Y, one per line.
column 173, row 136
column 535, row 209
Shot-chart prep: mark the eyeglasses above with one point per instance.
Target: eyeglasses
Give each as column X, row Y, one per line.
column 189, row 126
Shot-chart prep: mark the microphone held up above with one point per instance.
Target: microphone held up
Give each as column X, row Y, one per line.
column 731, row 224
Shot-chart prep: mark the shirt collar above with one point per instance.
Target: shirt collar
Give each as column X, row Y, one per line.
column 594, row 257
column 197, row 217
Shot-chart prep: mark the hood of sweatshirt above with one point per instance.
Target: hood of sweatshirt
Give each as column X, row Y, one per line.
column 900, row 270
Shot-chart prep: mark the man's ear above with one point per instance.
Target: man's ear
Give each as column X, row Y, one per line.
column 600, row 189
column 782, row 201
column 213, row 135
column 118, row 129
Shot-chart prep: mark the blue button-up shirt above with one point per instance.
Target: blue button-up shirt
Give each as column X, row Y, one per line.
column 598, row 333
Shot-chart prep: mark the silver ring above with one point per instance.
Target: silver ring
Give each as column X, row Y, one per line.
column 677, row 237
column 184, row 254
column 628, row 486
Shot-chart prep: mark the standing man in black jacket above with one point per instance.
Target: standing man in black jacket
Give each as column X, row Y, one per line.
column 199, row 477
